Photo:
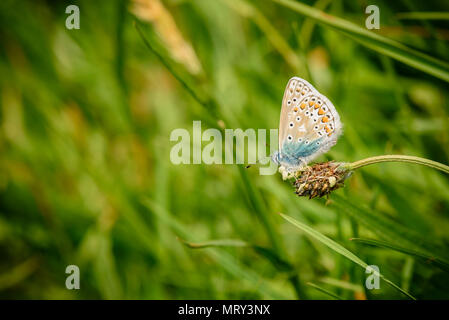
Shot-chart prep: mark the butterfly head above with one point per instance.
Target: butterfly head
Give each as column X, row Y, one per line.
column 276, row 157
column 288, row 164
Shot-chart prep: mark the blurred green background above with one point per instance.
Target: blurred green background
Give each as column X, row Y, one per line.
column 86, row 178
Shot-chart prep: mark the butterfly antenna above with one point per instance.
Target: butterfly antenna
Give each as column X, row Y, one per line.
column 257, row 163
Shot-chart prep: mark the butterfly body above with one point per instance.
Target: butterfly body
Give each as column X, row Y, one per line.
column 309, row 126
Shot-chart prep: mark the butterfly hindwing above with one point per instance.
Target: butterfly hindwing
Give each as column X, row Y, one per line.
column 295, row 91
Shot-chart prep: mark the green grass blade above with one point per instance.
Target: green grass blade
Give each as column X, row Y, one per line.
column 391, row 48
column 209, row 104
column 261, row 210
column 342, row 284
column 180, row 74
column 224, row 259
column 325, row 240
column 423, row 16
column 215, row 243
column 443, row 264
column 18, row 273
column 386, row 228
column 407, row 272
column 325, row 291
column 271, row 255
column 230, row 264
column 247, row 10
column 266, row 253
column 339, row 249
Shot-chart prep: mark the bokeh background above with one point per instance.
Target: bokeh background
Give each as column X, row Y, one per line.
column 86, row 178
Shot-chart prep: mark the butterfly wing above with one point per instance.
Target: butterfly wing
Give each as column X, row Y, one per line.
column 309, row 125
column 295, row 91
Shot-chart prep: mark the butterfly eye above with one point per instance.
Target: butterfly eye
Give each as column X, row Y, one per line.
column 289, row 137
column 291, row 124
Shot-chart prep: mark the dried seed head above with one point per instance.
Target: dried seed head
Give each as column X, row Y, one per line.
column 320, row 179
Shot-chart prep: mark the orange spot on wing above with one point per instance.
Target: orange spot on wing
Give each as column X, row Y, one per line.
column 320, row 112
column 325, row 119
column 303, row 106
column 316, row 106
column 310, row 103
column 327, row 129
column 296, row 109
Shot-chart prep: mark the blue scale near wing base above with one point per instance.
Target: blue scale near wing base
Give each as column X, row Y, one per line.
column 293, row 152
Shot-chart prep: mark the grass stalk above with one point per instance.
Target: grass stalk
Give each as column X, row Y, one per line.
column 396, row 158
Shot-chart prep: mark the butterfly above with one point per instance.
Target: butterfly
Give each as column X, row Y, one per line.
column 309, row 126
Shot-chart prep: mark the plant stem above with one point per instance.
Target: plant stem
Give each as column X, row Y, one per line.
column 396, row 158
